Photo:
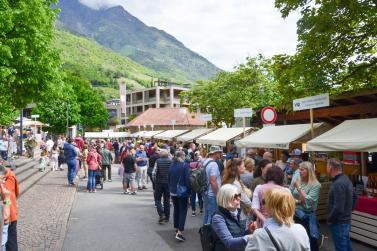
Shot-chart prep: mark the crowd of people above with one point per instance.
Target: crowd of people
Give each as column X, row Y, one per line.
column 250, row 203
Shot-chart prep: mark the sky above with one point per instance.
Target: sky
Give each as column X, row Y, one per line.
column 223, row 31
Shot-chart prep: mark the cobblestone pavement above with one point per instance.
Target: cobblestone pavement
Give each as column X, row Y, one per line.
column 44, row 212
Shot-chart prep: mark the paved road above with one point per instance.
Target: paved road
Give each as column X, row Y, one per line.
column 109, row 220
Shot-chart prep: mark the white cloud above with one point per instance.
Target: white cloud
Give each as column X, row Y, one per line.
column 223, row 31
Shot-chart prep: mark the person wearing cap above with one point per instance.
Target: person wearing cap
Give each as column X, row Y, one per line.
column 214, row 179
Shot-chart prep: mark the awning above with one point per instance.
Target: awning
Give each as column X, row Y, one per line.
column 96, row 135
column 190, row 136
column 118, row 135
column 138, row 134
column 278, row 137
column 170, row 134
column 222, row 135
column 150, row 134
column 30, row 123
column 358, row 135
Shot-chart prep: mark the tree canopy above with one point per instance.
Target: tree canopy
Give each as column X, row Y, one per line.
column 28, row 63
column 336, row 49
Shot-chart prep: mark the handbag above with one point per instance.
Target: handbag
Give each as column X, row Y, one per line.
column 182, row 191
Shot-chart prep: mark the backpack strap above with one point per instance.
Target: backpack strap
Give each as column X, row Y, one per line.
column 272, row 239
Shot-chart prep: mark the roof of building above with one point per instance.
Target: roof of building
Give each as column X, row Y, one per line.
column 165, row 116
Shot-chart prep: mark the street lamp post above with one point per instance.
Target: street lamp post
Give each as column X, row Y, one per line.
column 67, row 120
column 35, row 116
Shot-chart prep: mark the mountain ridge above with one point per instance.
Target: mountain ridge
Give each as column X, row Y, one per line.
column 115, row 28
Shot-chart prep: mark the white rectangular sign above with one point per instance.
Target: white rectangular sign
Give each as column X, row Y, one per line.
column 322, row 100
column 173, row 121
column 243, row 113
column 35, row 116
column 206, row 117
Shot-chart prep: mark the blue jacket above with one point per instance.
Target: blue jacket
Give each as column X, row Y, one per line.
column 312, row 221
column 69, row 151
column 179, row 172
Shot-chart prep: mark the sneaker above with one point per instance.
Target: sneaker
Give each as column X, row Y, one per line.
column 166, row 220
column 109, row 180
column 201, row 212
column 144, row 187
column 94, row 190
column 180, row 237
column 126, row 192
column 133, row 193
column 139, row 188
column 161, row 220
column 193, row 214
column 320, row 241
column 72, row 183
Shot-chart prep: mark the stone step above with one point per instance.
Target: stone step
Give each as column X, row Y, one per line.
column 31, row 181
column 27, row 174
column 30, row 164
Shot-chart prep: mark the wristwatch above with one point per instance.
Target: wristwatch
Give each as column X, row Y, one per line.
column 7, row 202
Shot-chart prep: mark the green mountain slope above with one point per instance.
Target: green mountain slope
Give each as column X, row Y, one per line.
column 100, row 65
column 117, row 29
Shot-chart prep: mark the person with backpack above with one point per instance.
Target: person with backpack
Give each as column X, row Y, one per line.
column 228, row 230
column 213, row 182
column 195, row 167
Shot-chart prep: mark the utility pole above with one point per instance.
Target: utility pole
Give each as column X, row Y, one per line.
column 67, row 120
column 21, row 131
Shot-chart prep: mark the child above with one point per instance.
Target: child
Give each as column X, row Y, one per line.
column 61, row 159
column 43, row 160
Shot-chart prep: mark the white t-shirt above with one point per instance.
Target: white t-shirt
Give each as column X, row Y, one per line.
column 212, row 169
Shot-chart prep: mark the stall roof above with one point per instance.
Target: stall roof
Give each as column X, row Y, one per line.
column 138, row 134
column 358, row 135
column 196, row 133
column 221, row 136
column 170, row 134
column 101, row 135
column 276, row 136
column 150, row 134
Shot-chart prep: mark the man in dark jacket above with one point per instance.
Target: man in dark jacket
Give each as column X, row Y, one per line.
column 340, row 204
column 151, row 163
column 161, row 174
column 70, row 153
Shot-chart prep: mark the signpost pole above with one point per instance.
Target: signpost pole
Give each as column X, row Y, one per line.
column 244, row 125
column 311, row 122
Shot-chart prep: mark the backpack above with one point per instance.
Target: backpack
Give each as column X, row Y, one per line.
column 207, row 238
column 198, row 179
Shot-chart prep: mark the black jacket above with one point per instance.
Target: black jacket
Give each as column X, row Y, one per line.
column 152, row 161
column 162, row 170
column 340, row 200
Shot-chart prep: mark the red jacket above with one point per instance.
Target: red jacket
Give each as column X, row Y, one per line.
column 93, row 160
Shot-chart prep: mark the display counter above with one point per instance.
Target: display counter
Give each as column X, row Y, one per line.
column 364, row 220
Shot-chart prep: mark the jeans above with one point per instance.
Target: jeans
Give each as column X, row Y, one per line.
column 193, row 201
column 12, row 237
column 151, row 179
column 108, row 167
column 162, row 190
column 341, row 236
column 91, row 179
column 5, row 237
column 306, row 224
column 210, row 208
column 141, row 176
column 71, row 170
column 180, row 212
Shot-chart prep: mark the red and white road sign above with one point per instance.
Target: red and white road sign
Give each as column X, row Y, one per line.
column 269, row 115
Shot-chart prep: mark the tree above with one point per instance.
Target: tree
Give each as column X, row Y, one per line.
column 28, row 64
column 7, row 112
column 93, row 113
column 251, row 85
column 336, row 49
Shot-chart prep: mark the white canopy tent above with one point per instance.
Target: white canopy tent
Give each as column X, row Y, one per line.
column 358, row 135
column 119, row 135
column 194, row 134
column 278, row 137
column 222, row 135
column 170, row 134
column 138, row 134
column 150, row 134
column 103, row 135
column 27, row 123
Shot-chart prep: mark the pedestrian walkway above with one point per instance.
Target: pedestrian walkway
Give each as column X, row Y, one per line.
column 111, row 220
column 44, row 210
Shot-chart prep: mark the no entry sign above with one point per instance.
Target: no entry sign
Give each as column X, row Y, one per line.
column 269, row 115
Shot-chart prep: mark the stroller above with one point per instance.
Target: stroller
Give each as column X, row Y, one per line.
column 99, row 178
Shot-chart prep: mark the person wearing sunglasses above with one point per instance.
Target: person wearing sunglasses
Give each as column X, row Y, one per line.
column 230, row 233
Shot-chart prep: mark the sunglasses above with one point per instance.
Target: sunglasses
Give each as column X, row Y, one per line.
column 237, row 196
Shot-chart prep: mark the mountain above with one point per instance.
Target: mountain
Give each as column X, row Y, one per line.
column 100, row 65
column 117, row 29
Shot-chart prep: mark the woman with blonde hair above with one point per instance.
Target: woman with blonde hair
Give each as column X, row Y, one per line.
column 232, row 176
column 279, row 231
column 306, row 193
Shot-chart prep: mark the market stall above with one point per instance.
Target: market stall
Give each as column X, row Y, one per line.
column 150, row 134
column 96, row 135
column 278, row 137
column 222, row 135
column 194, row 134
column 138, row 134
column 358, row 136
column 170, row 134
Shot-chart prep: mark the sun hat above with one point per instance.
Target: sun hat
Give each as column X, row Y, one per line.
column 215, row 149
column 296, row 152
